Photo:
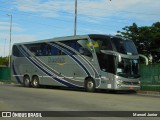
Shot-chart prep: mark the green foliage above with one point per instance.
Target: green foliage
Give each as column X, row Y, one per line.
column 149, row 36
column 4, row 61
column 146, row 38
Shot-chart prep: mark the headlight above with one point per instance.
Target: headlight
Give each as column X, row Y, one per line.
column 120, row 81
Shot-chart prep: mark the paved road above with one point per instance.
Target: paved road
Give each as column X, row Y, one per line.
column 17, row 98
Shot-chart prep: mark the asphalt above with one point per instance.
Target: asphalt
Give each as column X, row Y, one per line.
column 17, row 98
column 140, row 92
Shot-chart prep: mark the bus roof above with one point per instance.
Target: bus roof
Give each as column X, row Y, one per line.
column 66, row 38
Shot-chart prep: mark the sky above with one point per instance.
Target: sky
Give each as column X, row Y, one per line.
column 42, row 19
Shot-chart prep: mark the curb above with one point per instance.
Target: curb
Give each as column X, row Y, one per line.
column 7, row 82
column 1, row 83
column 152, row 93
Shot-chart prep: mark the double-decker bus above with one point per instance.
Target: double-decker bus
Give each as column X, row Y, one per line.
column 91, row 61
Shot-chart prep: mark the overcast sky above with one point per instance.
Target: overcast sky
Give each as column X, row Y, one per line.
column 42, row 19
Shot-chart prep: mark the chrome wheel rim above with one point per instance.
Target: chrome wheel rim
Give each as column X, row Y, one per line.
column 90, row 85
column 35, row 82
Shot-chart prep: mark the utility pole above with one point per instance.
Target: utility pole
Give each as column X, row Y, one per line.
column 9, row 64
column 75, row 19
column 4, row 47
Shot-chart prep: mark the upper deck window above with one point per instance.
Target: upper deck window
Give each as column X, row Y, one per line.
column 43, row 49
column 78, row 45
column 102, row 42
column 16, row 52
column 125, row 46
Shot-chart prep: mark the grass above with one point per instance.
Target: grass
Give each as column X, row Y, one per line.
column 7, row 82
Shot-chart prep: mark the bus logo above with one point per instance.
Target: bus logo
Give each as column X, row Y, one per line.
column 58, row 60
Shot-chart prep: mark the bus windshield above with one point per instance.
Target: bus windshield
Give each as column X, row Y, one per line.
column 128, row 68
column 125, row 46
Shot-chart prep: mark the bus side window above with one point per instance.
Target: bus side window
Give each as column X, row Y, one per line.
column 81, row 50
column 77, row 46
column 60, row 52
column 54, row 51
column 106, row 62
column 73, row 45
column 16, row 52
column 87, row 52
column 33, row 50
column 44, row 50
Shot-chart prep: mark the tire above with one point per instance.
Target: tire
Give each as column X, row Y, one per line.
column 90, row 85
column 35, row 82
column 26, row 81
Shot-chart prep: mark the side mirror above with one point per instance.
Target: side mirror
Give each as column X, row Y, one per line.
column 144, row 57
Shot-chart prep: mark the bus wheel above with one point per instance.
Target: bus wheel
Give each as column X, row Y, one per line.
column 26, row 81
column 35, row 82
column 90, row 85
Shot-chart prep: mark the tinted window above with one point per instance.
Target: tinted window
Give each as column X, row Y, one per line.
column 34, row 49
column 106, row 62
column 54, row 51
column 43, row 49
column 128, row 68
column 78, row 45
column 16, row 52
column 124, row 46
column 72, row 44
column 130, row 47
column 101, row 43
column 84, row 49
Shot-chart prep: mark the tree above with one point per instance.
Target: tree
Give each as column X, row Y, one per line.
column 146, row 38
column 4, row 61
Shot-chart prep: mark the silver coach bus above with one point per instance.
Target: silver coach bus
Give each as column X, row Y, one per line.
column 91, row 61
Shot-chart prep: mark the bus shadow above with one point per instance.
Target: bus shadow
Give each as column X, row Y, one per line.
column 76, row 89
column 82, row 89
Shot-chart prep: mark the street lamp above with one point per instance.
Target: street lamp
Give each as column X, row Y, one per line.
column 9, row 64
column 75, row 19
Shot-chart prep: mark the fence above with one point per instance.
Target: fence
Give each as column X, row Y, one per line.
column 4, row 73
column 150, row 77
